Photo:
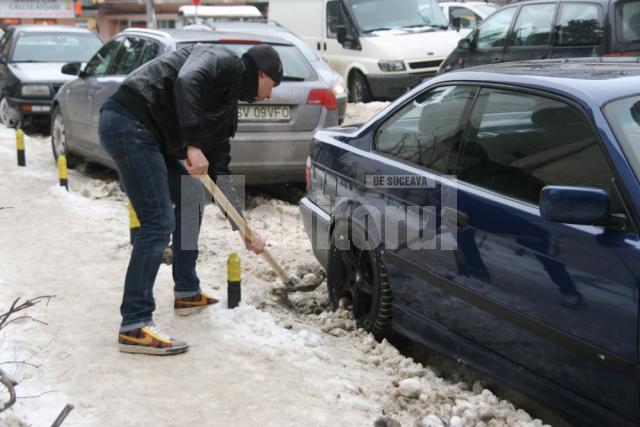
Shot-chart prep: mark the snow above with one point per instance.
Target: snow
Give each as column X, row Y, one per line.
column 264, row 363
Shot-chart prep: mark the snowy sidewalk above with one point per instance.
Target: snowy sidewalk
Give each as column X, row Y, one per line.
column 245, row 367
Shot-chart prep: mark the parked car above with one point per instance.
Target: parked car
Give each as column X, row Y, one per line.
column 492, row 215
column 273, row 136
column 380, row 47
column 271, row 28
column 30, row 61
column 542, row 29
column 465, row 16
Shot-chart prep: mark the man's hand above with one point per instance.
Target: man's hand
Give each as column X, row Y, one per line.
column 258, row 244
column 196, row 164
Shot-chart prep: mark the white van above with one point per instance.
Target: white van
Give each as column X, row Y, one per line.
column 382, row 48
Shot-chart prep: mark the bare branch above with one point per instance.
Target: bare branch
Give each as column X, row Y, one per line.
column 33, row 319
column 4, row 317
column 10, row 384
column 37, row 395
column 20, row 362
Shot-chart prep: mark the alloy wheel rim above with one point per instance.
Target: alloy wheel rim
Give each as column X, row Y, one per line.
column 4, row 112
column 59, row 137
column 357, row 281
column 357, row 91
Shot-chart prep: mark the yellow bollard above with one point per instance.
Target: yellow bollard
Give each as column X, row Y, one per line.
column 62, row 171
column 233, row 280
column 22, row 161
column 134, row 223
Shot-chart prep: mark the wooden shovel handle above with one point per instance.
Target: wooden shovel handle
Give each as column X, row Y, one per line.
column 243, row 228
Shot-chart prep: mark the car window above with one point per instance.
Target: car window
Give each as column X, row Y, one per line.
column 424, row 131
column 624, row 117
column 336, row 16
column 493, row 31
column 468, row 18
column 129, row 56
column 5, row 43
column 55, row 47
column 579, row 24
column 629, row 17
column 98, row 65
column 151, row 50
column 533, row 26
column 295, row 65
column 517, row 143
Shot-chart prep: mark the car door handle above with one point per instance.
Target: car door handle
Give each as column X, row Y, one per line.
column 455, row 216
column 496, row 59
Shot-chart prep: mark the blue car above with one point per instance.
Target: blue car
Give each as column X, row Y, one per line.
column 492, row 215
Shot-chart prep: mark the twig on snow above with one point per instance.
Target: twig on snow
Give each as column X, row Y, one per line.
column 9, row 383
column 15, row 307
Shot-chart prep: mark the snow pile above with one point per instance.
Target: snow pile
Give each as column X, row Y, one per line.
column 247, row 324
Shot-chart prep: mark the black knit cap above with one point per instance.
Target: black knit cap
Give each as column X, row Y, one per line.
column 267, row 60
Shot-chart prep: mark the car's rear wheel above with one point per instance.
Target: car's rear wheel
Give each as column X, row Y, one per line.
column 59, row 138
column 5, row 113
column 359, row 90
column 356, row 271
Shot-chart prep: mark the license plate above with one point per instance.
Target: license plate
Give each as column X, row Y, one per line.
column 264, row 113
column 40, row 108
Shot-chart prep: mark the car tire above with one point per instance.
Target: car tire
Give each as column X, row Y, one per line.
column 59, row 138
column 360, row 276
column 5, row 113
column 359, row 90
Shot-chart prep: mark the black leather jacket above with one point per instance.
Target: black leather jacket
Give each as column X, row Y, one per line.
column 192, row 95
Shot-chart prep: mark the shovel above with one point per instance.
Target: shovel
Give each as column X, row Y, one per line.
column 243, row 227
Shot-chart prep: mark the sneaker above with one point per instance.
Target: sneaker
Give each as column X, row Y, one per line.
column 150, row 340
column 194, row 304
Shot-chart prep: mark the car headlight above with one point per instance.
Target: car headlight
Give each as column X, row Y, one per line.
column 35, row 90
column 391, row 65
column 339, row 87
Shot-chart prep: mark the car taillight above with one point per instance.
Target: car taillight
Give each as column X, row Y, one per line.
column 618, row 54
column 324, row 97
column 307, row 174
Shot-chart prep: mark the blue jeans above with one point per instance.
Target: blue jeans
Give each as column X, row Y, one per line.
column 154, row 184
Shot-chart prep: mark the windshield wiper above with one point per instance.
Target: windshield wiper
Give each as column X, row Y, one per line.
column 378, row 29
column 429, row 26
column 292, row 79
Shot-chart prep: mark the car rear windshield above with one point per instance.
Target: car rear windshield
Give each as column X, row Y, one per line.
column 624, row 117
column 296, row 67
column 629, row 16
column 55, row 47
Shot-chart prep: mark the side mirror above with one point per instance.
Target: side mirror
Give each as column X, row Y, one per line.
column 456, row 23
column 574, row 205
column 72, row 68
column 464, row 44
column 341, row 34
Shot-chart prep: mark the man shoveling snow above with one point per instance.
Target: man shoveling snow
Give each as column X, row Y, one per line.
column 183, row 104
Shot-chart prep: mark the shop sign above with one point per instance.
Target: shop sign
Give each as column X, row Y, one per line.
column 37, row 9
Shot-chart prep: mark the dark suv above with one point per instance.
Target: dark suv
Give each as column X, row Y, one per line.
column 30, row 60
column 542, row 29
